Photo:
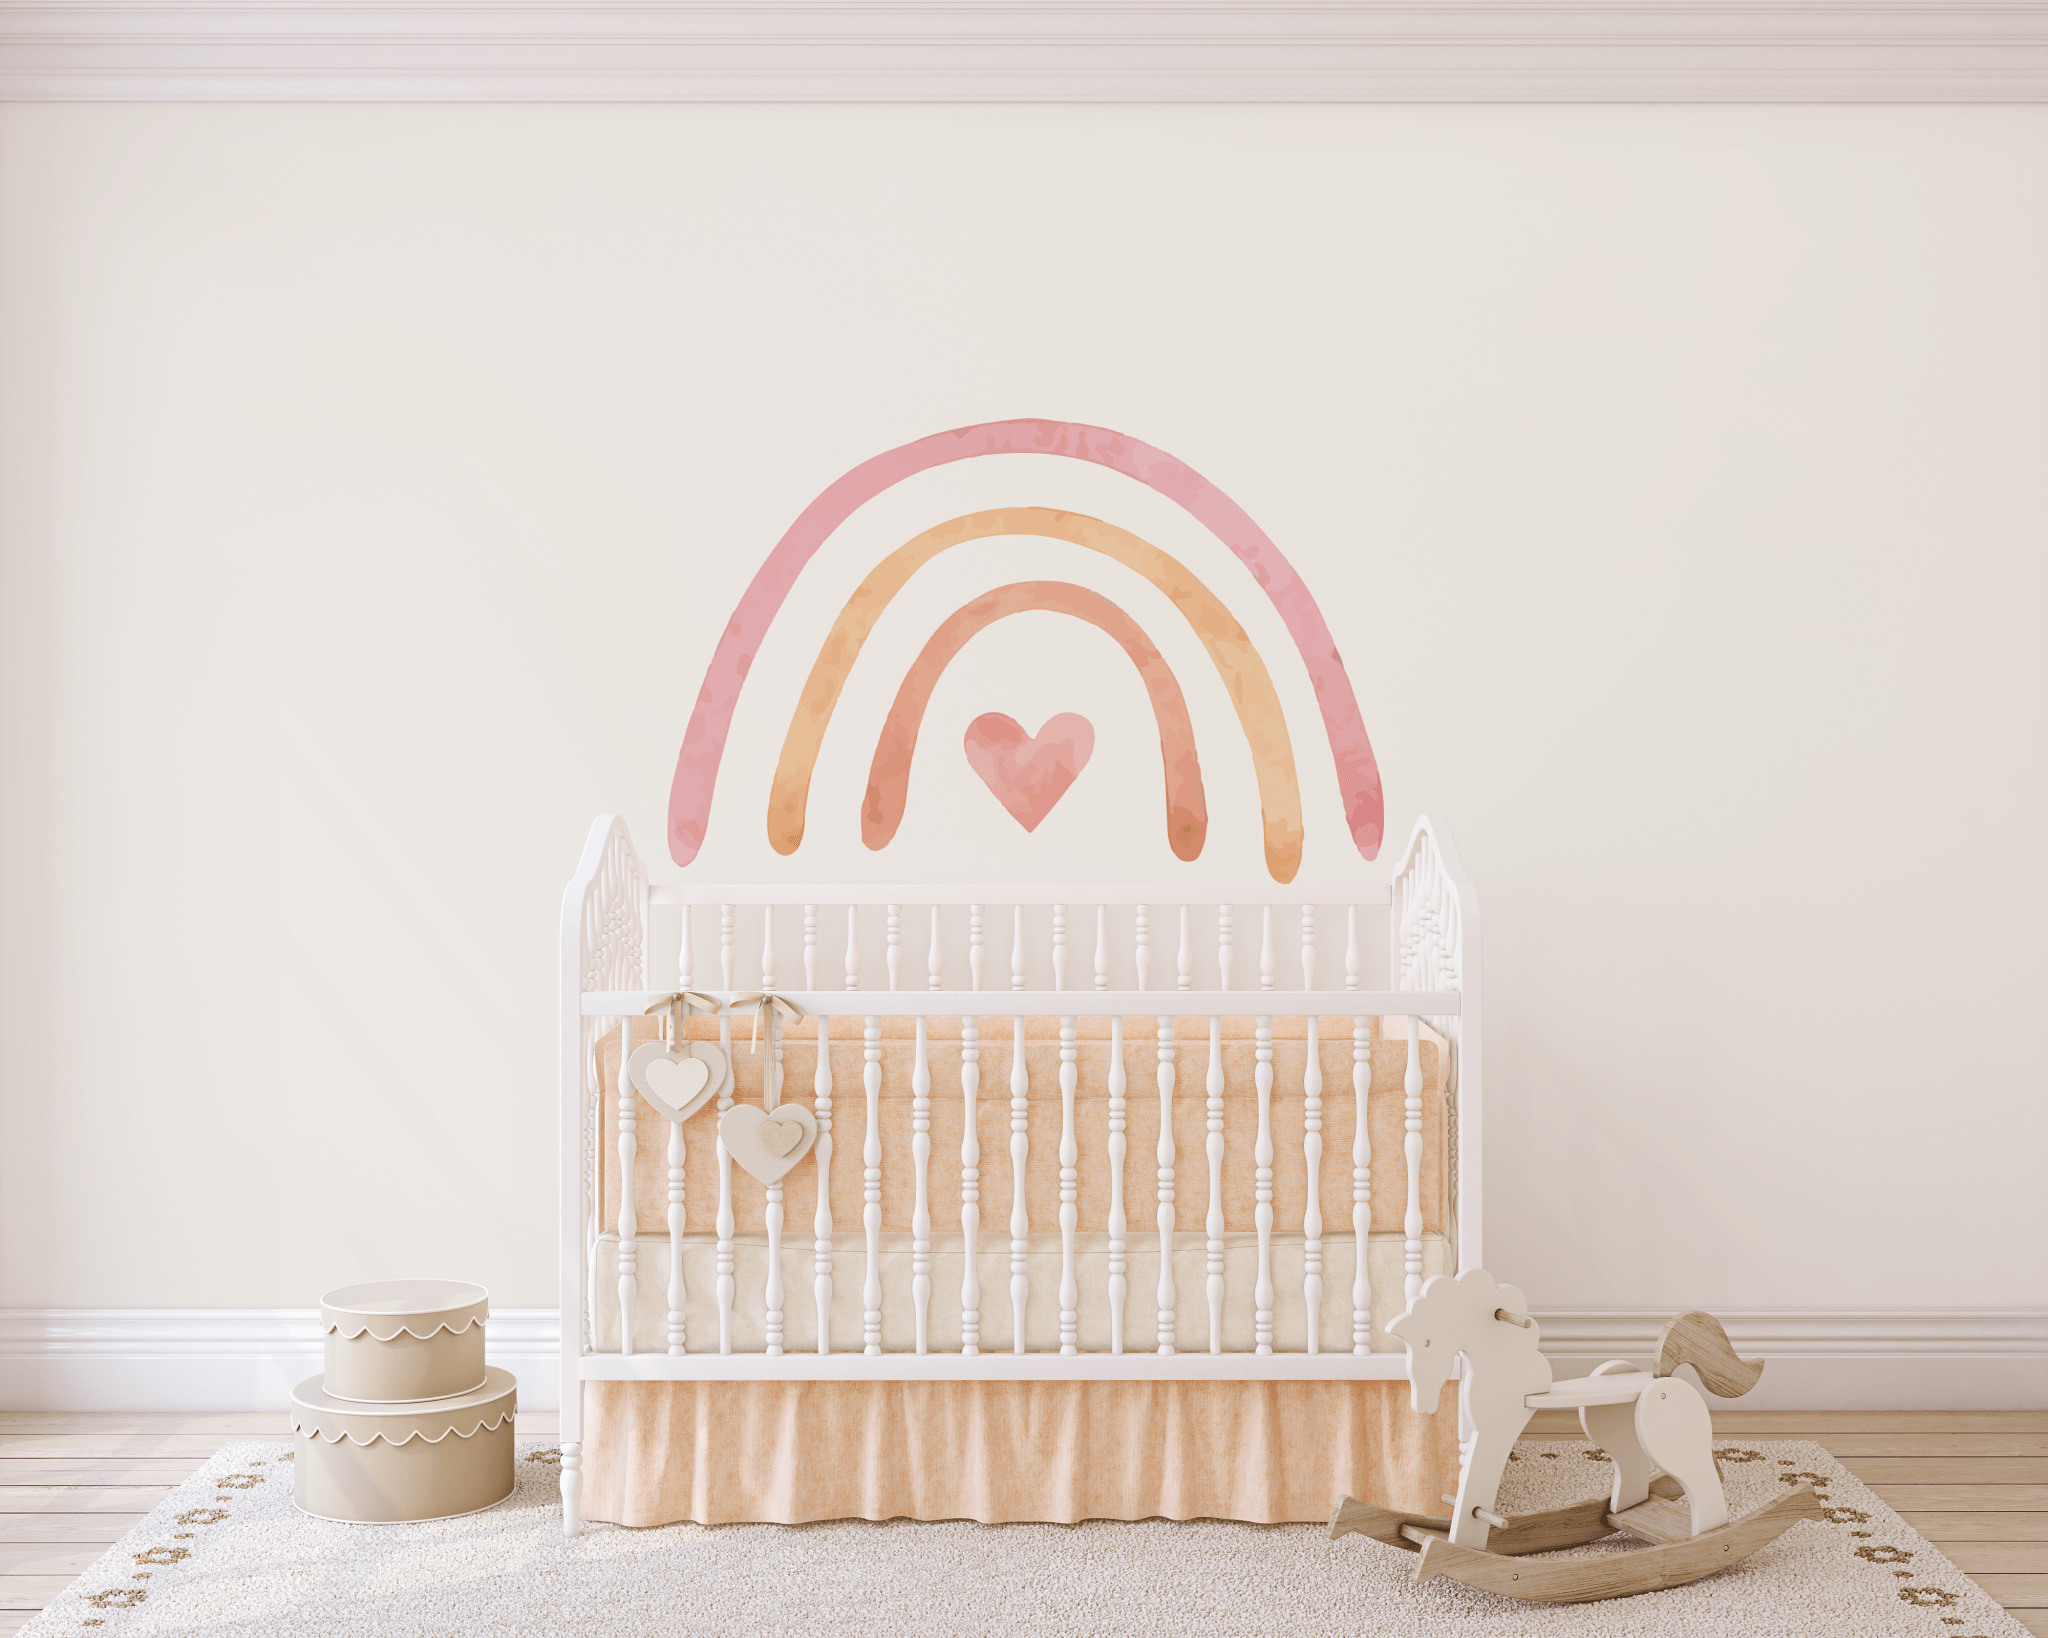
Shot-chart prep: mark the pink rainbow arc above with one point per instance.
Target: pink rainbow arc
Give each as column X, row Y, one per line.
column 1358, row 777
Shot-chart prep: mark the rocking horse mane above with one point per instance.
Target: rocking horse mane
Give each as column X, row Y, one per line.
column 1462, row 1312
column 1697, row 1339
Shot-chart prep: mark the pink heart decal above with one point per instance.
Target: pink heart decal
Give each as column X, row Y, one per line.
column 1028, row 774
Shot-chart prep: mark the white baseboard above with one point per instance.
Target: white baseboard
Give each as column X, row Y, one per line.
column 222, row 1359
column 214, row 1359
column 1842, row 1359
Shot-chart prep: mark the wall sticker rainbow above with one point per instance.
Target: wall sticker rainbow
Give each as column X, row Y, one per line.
column 1029, row 775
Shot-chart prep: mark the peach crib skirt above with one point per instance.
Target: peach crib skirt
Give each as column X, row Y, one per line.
column 1008, row 1452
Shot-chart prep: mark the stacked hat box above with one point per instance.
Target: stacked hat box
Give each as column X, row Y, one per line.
column 407, row 1422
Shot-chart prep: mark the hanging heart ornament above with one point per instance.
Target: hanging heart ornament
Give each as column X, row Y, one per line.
column 678, row 1084
column 768, row 1142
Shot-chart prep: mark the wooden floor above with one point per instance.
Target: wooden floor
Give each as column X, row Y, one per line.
column 1973, row 1482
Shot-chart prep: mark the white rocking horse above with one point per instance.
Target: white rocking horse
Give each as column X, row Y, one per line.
column 1653, row 1425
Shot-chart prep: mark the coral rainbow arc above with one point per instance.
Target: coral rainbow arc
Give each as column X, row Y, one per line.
column 1029, row 775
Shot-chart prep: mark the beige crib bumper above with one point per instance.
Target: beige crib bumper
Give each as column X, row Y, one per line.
column 1006, row 1452
column 1385, row 1263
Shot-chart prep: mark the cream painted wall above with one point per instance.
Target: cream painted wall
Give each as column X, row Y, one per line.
column 373, row 481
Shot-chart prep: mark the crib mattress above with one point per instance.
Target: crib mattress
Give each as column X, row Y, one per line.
column 1385, row 1264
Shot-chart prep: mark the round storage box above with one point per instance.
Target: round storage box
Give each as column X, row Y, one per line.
column 404, row 1339
column 393, row 1464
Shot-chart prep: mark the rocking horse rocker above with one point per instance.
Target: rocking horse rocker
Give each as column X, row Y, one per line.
column 1644, row 1421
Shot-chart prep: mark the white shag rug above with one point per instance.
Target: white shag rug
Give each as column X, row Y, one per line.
column 228, row 1553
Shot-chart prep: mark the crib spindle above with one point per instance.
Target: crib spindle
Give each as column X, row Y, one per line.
column 726, row 1168
column 676, row 1292
column 629, row 1227
column 974, row 946
column 921, row 1216
column 1262, row 1293
column 1215, row 1148
column 1411, row 1147
column 1116, row 1185
column 1144, row 941
column 1070, row 1160
column 1312, row 1210
column 726, row 1284
column 871, row 1212
column 1166, row 1074
column 1361, row 1150
column 970, row 1182
column 678, row 1157
column 1312, row 1147
column 821, row 1225
column 771, row 1097
column 1020, row 1152
column 1223, row 946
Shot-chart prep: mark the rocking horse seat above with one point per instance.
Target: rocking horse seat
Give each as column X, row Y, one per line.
column 1621, row 1388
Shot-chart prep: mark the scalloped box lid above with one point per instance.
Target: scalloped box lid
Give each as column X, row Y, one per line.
column 385, row 1307
column 319, row 1413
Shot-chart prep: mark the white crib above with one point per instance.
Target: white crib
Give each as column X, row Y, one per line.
column 1019, row 953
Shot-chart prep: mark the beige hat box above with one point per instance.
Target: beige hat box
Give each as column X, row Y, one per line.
column 407, row 1422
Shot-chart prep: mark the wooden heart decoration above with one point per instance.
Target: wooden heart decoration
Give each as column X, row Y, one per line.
column 1028, row 773
column 768, row 1142
column 678, row 1084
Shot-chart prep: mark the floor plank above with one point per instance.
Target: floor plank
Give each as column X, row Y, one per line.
column 45, row 1472
column 2009, row 1557
column 101, row 1446
column 82, row 1529
column 1982, row 1470
column 50, row 1558
column 1940, row 1528
column 228, row 1424
column 2035, row 1621
column 79, row 1499
column 1886, row 1443
column 1963, row 1498
column 2026, row 1591
column 1791, row 1424
column 31, row 1592
column 14, row 1620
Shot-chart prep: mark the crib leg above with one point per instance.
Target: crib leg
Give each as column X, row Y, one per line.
column 572, row 1488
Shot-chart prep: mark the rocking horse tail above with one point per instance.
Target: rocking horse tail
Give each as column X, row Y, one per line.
column 1698, row 1340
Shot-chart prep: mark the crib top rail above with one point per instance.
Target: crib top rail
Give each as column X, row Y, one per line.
column 924, row 893
column 1076, row 1003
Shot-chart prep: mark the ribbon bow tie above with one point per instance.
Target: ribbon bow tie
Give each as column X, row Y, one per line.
column 765, row 1003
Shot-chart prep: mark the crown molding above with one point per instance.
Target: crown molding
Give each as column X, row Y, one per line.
column 1345, row 51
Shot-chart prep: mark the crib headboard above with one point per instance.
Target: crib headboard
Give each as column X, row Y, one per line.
column 956, row 958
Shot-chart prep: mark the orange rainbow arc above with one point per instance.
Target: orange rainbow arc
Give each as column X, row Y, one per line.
column 1187, row 808
column 1229, row 647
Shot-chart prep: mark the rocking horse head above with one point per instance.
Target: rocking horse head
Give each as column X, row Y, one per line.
column 1474, row 1315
